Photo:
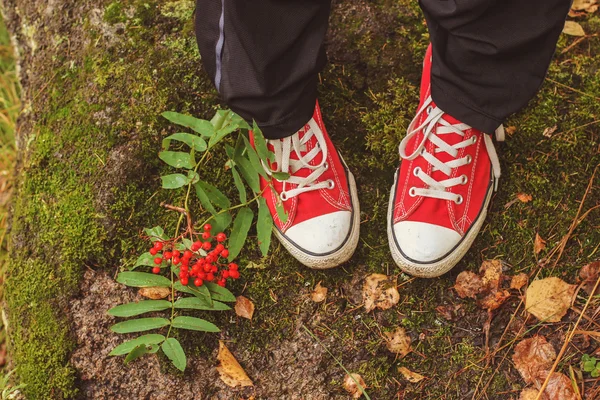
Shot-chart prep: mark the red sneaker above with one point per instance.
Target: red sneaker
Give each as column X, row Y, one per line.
column 319, row 197
column 442, row 189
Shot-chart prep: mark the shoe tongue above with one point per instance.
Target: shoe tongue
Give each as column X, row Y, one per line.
column 304, row 149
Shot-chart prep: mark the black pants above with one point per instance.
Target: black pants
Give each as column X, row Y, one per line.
column 489, row 56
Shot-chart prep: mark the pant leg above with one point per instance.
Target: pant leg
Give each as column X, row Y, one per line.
column 490, row 56
column 264, row 57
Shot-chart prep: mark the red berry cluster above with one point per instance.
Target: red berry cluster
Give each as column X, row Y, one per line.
column 192, row 264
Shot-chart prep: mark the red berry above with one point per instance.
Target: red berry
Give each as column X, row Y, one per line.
column 176, row 253
column 196, row 246
column 156, row 270
column 184, row 280
column 225, row 274
column 233, row 266
column 187, row 254
column 210, row 258
column 158, row 261
column 221, row 283
column 153, row 251
column 158, row 245
column 225, row 253
column 206, row 246
column 206, row 235
column 207, row 227
column 210, row 277
column 234, row 274
column 219, row 248
column 176, row 260
column 198, row 282
column 207, row 267
column 213, row 269
column 221, row 237
column 167, row 255
column 201, row 275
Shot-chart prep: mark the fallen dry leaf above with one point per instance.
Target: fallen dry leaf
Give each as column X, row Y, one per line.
column 559, row 388
column 539, row 244
column 244, row 307
column 379, row 292
column 155, row 293
column 529, row 394
column 518, row 281
column 398, row 342
column 573, row 28
column 533, row 358
column 319, row 294
column 468, row 284
column 549, row 299
column 589, row 275
column 510, row 130
column 492, row 273
column 494, row 299
column 449, row 312
column 549, row 131
column 410, row 376
column 351, row 386
column 230, row 371
column 524, row 197
column 585, row 5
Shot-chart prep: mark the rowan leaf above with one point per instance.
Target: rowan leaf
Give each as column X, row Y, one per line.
column 126, row 347
column 140, row 307
column 195, row 303
column 173, row 350
column 142, row 279
column 239, row 231
column 203, row 127
column 194, row 324
column 139, row 325
column 264, row 226
column 174, row 181
column 177, row 159
column 194, row 141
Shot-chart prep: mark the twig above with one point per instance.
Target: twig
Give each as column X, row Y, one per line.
column 183, row 211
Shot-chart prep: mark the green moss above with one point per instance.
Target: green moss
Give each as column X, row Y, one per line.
column 114, row 13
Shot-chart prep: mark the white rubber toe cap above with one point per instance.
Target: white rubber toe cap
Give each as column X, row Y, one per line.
column 423, row 242
column 322, row 234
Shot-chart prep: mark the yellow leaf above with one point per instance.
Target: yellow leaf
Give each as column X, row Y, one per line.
column 518, row 281
column 398, row 342
column 350, row 384
column 230, row 371
column 319, row 294
column 549, row 299
column 410, row 376
column 155, row 293
column 573, row 28
column 379, row 292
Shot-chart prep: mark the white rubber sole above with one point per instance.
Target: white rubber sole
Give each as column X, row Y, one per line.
column 440, row 267
column 341, row 255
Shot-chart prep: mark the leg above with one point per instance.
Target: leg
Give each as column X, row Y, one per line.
column 490, row 56
column 264, row 57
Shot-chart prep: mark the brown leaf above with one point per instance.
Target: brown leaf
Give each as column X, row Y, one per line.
column 410, row 376
column 549, row 131
column 351, row 386
column 559, row 388
column 518, row 281
column 585, row 5
column 494, row 299
column 573, row 28
column 449, row 312
column 530, row 394
column 589, row 276
column 492, row 274
column 549, row 299
column 533, row 358
column 539, row 244
column 510, row 130
column 244, row 307
column 398, row 342
column 155, row 293
column 379, row 292
column 319, row 294
column 524, row 197
column 468, row 284
column 230, row 371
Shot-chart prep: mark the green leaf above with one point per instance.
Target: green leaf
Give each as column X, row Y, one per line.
column 194, row 324
column 229, row 122
column 204, row 200
column 126, row 347
column 254, row 159
column 195, row 142
column 264, row 226
column 185, row 244
column 177, row 159
column 142, row 279
column 248, row 172
column 193, row 177
column 175, row 353
column 215, row 195
column 220, row 222
column 239, row 232
column 146, row 259
column 200, row 126
column 282, row 176
column 141, row 307
column 261, row 144
column 219, row 293
column 202, row 292
column 155, row 234
column 281, row 213
column 195, row 303
column 174, row 181
column 237, row 180
column 139, row 325
column 136, row 353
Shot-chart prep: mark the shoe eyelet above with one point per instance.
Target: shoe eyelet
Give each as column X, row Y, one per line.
column 326, row 166
column 459, row 199
column 422, row 152
column 469, row 159
column 474, row 139
column 283, row 196
column 429, row 110
column 464, row 179
column 412, row 192
column 416, row 171
column 330, row 184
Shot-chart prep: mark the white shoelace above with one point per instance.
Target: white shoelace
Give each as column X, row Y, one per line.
column 434, row 127
column 283, row 149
